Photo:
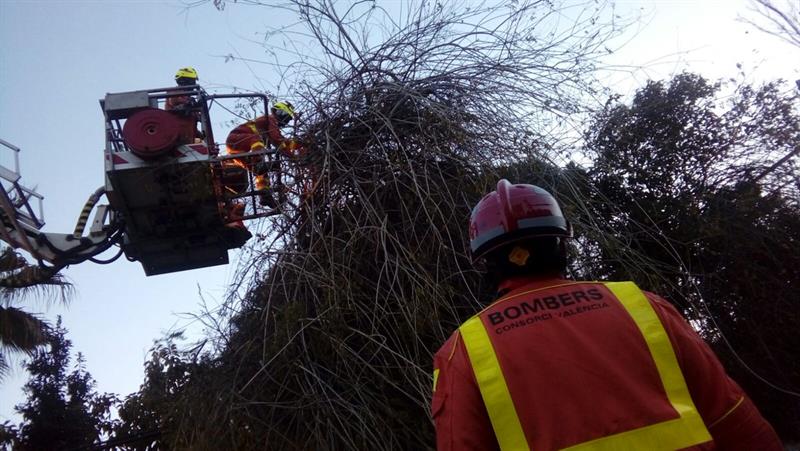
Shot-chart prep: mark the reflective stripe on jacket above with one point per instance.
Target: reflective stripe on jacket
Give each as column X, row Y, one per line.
column 583, row 366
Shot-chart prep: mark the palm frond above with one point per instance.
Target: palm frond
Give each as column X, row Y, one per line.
column 21, row 331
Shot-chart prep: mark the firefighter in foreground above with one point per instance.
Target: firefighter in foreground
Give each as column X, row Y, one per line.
column 256, row 135
column 559, row 364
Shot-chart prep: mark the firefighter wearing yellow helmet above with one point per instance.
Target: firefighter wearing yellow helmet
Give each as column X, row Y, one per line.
column 283, row 112
column 186, row 76
column 255, row 135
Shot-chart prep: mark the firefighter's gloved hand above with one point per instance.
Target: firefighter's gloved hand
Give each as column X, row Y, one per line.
column 292, row 148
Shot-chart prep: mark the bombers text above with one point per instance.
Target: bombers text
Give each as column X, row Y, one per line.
column 523, row 309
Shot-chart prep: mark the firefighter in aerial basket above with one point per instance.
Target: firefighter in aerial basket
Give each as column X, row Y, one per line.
column 184, row 105
column 558, row 364
column 184, row 77
column 256, row 135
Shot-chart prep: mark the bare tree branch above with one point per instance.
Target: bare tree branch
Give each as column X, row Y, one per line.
column 783, row 22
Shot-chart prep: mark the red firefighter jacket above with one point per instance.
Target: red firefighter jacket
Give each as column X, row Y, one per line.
column 556, row 364
column 248, row 136
column 173, row 103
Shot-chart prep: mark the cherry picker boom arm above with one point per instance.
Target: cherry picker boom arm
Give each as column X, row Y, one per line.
column 174, row 203
column 22, row 223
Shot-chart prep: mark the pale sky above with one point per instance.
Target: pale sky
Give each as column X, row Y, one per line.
column 58, row 58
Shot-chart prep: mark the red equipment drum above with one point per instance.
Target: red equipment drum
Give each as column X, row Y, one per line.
column 152, row 133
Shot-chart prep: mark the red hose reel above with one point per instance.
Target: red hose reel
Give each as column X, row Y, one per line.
column 152, row 133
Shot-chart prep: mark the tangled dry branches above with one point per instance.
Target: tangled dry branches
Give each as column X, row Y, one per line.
column 406, row 128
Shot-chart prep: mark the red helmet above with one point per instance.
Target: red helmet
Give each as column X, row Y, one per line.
column 513, row 213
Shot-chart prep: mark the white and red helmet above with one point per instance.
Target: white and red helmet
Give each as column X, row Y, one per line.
column 514, row 213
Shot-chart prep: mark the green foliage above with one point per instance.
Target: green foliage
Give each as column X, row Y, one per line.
column 62, row 410
column 22, row 331
column 147, row 416
column 704, row 205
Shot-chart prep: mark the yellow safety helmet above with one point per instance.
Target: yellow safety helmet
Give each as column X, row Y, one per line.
column 284, row 112
column 186, row 76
